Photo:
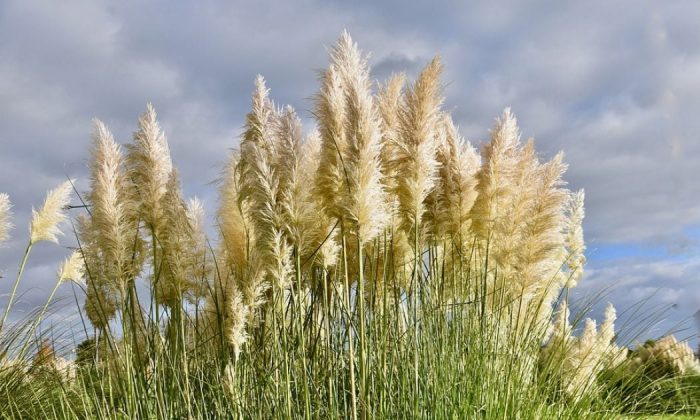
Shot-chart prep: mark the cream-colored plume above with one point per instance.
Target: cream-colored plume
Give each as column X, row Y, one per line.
column 233, row 215
column 366, row 203
column 257, row 144
column 496, row 176
column 350, row 182
column 332, row 178
column 262, row 180
column 238, row 287
column 415, row 153
column 149, row 164
column 667, row 356
column 326, row 242
column 389, row 104
column 449, row 204
column 112, row 248
column 45, row 224
column 237, row 313
column 574, row 243
column 517, row 218
column 539, row 235
column 579, row 360
column 178, row 270
column 295, row 182
column 102, row 295
column 73, row 268
column 5, row 214
column 113, row 212
column 196, row 218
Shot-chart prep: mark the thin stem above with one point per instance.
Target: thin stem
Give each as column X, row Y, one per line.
column 416, row 256
column 14, row 288
column 300, row 320
column 37, row 321
column 351, row 346
column 360, row 296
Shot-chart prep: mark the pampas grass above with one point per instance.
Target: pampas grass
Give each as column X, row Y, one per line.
column 149, row 167
column 415, row 161
column 373, row 266
column 45, row 225
column 72, row 268
column 575, row 245
column 46, row 222
column 113, row 212
column 239, row 283
column 577, row 361
column 451, row 201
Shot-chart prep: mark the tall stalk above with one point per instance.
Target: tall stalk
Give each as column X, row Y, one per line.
column 300, row 331
column 416, row 274
column 349, row 326
column 14, row 287
column 360, row 297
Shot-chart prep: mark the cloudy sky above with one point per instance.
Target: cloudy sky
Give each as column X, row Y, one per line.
column 615, row 85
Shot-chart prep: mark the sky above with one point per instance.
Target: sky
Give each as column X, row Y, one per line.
column 614, row 85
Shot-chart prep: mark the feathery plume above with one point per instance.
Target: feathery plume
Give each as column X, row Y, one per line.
column 574, row 243
column 45, row 224
column 613, row 355
column 280, row 266
column 415, row 153
column 177, row 270
column 495, row 178
column 255, row 195
column 195, row 217
column 578, row 360
column 366, row 204
column 295, row 182
column 233, row 215
column 236, row 320
column 113, row 211
column 102, row 295
column 389, row 105
column 350, row 183
column 325, row 242
column 5, row 213
column 72, row 268
column 539, row 236
column 112, row 248
column 331, row 114
column 243, row 274
column 667, row 356
column 227, row 307
column 257, row 142
column 261, row 180
column 450, row 202
column 584, row 360
column 201, row 266
column 561, row 328
column 149, row 165
column 607, row 328
column 507, row 185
